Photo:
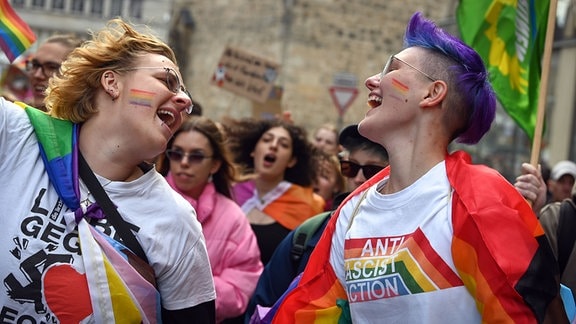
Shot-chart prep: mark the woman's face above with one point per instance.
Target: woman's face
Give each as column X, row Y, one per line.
column 192, row 171
column 325, row 184
column 326, row 140
column 273, row 153
column 150, row 110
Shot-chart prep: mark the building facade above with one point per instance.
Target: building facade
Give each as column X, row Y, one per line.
column 48, row 17
column 315, row 43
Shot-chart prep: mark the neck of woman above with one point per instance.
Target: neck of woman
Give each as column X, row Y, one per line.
column 264, row 186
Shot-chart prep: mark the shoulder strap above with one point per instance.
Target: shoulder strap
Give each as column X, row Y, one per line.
column 565, row 232
column 303, row 233
column 109, row 208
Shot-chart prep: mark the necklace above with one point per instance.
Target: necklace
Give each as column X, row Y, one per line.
column 84, row 203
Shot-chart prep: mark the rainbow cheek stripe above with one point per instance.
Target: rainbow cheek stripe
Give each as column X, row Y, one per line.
column 141, row 98
column 399, row 86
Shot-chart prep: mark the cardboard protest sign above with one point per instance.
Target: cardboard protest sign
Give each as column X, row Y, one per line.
column 245, row 74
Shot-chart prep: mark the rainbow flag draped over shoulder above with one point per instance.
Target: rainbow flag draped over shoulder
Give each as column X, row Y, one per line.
column 509, row 273
column 15, row 35
column 509, row 35
column 118, row 291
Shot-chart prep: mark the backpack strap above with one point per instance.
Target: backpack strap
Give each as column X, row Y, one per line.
column 303, row 233
column 565, row 232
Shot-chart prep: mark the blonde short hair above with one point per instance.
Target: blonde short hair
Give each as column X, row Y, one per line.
column 71, row 93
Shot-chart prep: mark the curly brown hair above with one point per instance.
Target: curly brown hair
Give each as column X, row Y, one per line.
column 245, row 133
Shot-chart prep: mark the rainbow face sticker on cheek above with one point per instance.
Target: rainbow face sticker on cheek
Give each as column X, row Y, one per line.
column 400, row 88
column 141, row 98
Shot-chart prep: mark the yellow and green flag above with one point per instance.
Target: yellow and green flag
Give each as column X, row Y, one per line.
column 509, row 35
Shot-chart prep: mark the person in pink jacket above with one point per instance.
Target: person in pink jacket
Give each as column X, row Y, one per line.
column 200, row 169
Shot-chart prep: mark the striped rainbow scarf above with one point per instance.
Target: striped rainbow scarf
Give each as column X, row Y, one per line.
column 520, row 296
column 118, row 293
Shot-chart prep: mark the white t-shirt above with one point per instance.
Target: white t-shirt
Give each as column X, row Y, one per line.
column 34, row 234
column 394, row 256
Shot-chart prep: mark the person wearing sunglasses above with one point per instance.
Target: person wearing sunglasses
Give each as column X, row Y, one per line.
column 361, row 159
column 200, row 168
column 46, row 61
column 432, row 229
column 92, row 232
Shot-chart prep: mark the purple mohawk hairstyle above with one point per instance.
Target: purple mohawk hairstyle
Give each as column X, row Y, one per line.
column 471, row 75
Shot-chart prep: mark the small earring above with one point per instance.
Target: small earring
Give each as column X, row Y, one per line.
column 210, row 178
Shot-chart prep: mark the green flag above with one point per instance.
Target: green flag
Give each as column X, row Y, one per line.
column 509, row 36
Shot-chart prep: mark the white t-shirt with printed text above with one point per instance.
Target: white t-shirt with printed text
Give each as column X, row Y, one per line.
column 35, row 237
column 393, row 255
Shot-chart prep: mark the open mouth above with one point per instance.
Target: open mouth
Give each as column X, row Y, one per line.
column 374, row 101
column 270, row 158
column 166, row 116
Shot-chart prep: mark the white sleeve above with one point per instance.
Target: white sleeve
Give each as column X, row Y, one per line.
column 15, row 134
column 190, row 282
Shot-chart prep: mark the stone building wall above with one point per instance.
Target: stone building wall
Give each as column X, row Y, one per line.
column 311, row 39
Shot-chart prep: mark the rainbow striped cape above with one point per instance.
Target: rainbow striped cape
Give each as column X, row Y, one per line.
column 509, row 273
column 118, row 292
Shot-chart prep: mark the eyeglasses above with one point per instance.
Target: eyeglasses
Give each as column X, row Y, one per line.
column 48, row 68
column 389, row 63
column 350, row 169
column 193, row 157
column 172, row 81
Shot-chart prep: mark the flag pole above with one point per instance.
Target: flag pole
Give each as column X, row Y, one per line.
column 537, row 141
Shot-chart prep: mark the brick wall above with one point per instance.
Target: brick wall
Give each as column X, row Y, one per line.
column 311, row 39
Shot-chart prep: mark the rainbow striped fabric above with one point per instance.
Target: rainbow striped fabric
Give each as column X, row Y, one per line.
column 508, row 272
column 15, row 35
column 118, row 291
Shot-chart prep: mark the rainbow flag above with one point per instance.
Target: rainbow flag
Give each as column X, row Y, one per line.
column 15, row 35
column 509, row 36
column 115, row 277
column 507, row 272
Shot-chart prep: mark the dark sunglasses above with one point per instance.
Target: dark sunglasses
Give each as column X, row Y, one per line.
column 350, row 169
column 178, row 156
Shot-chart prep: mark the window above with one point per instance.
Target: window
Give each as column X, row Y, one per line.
column 77, row 6
column 135, row 9
column 18, row 3
column 97, row 8
column 38, row 4
column 58, row 5
column 116, row 8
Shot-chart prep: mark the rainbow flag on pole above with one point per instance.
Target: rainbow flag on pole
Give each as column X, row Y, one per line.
column 509, row 36
column 15, row 35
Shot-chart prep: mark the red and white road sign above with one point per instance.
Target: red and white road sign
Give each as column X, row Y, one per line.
column 343, row 97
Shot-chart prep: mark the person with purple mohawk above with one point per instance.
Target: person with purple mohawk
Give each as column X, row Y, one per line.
column 432, row 238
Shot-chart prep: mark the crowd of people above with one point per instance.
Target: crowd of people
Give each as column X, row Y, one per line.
column 121, row 197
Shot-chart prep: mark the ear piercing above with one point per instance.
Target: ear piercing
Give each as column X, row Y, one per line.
column 111, row 93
